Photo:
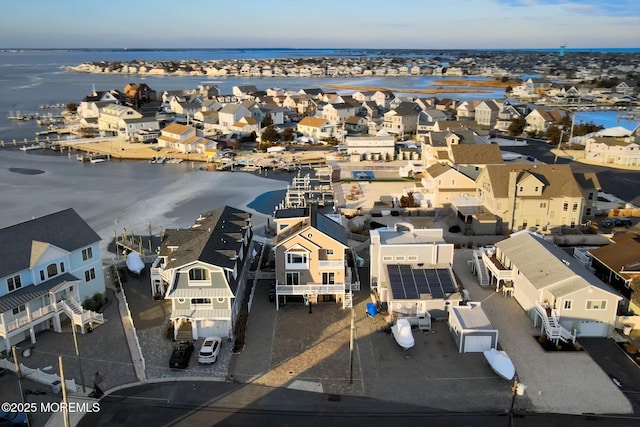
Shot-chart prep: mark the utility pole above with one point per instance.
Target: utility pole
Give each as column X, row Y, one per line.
column 75, row 342
column 65, row 408
column 19, row 372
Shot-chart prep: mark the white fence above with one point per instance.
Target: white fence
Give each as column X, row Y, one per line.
column 129, row 319
column 37, row 375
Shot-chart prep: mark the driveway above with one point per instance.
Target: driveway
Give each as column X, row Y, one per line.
column 560, row 382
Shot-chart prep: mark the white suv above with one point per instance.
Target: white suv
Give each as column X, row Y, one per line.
column 209, row 350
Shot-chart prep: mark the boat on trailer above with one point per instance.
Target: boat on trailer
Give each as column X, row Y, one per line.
column 135, row 265
column 500, row 363
column 402, row 334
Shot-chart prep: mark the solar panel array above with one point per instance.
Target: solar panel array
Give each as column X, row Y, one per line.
column 409, row 283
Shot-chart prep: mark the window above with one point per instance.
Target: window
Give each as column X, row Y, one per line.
column 198, row 274
column 597, row 305
column 293, row 279
column 52, row 270
column 536, row 189
column 412, row 258
column 574, row 208
column 400, row 258
column 329, row 251
column 521, row 189
column 42, row 275
column 543, row 205
column 14, row 283
column 590, row 196
column 387, row 258
column 588, row 212
column 196, row 301
column 89, row 275
column 567, row 304
column 328, row 278
column 61, row 267
column 19, row 309
column 87, row 253
column 296, row 258
column 565, row 206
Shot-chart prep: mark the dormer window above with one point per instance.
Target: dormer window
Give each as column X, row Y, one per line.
column 52, row 270
column 198, row 274
column 14, row 283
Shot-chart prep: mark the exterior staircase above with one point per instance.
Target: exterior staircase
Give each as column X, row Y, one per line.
column 185, row 332
column 78, row 315
column 551, row 324
column 480, row 269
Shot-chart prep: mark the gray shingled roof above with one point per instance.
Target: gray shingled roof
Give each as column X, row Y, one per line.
column 31, row 292
column 64, row 229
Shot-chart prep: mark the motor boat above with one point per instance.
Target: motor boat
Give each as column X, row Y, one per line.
column 500, row 363
column 402, row 334
column 134, row 263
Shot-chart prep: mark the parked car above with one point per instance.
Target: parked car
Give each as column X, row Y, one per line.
column 181, row 355
column 209, row 350
column 617, row 222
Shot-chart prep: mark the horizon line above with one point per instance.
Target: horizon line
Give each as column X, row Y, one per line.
column 317, row 48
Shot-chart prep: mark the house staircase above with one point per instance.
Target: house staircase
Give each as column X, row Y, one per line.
column 551, row 324
column 479, row 268
column 185, row 332
column 78, row 315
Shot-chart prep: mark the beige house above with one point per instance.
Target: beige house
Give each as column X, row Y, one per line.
column 442, row 183
column 372, row 147
column 337, row 114
column 316, row 128
column 486, row 113
column 310, row 257
column 410, row 270
column 616, row 151
column 182, row 138
column 110, row 119
column 555, row 289
column 403, row 119
column 539, row 120
column 524, row 196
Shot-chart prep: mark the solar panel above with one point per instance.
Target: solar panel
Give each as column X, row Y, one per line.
column 437, row 293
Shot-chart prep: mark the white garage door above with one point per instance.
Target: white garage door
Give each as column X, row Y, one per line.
column 212, row 328
column 476, row 344
column 593, row 329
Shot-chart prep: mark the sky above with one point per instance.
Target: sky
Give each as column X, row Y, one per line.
column 399, row 24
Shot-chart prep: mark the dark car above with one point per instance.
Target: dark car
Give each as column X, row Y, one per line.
column 181, row 355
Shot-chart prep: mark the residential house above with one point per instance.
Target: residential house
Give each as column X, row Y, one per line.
column 89, row 107
column 230, row 114
column 427, row 120
column 311, row 257
column 182, row 138
column 627, row 87
column 371, row 147
column 356, row 125
column 618, row 264
column 486, row 113
column 50, row 265
column 616, row 151
column 110, row 119
column 337, row 113
column 145, row 128
column 207, row 119
column 138, row 93
column 523, row 196
column 244, row 91
column 402, row 120
column 200, row 269
column 467, row 109
column 410, row 271
column 540, row 120
column 245, row 126
column 438, row 148
column 316, row 128
column 536, row 85
column 552, row 287
column 441, row 184
column 590, row 185
column 383, row 98
column 508, row 114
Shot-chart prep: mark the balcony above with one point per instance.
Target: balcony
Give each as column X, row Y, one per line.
column 310, row 288
column 498, row 270
column 331, row 264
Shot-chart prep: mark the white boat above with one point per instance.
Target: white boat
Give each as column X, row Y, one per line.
column 402, row 334
column 134, row 263
column 500, row 363
column 98, row 159
column 30, row 147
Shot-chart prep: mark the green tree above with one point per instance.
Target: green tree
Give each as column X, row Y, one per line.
column 517, row 126
column 287, row 134
column 270, row 135
column 408, row 201
column 585, row 128
column 332, row 140
column 553, row 134
column 267, row 121
column 72, row 107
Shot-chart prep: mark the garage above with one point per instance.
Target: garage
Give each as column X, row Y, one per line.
column 471, row 329
column 213, row 328
column 593, row 329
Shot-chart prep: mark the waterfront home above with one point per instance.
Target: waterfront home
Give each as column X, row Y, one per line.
column 140, row 129
column 486, row 113
column 316, row 128
column 50, row 265
column 111, row 116
column 311, row 257
column 230, row 114
column 627, row 87
column 553, row 288
column 89, row 107
column 618, row 264
column 138, row 93
column 244, row 91
column 467, row 109
column 245, row 126
column 410, row 270
column 523, row 196
column 199, row 269
column 180, row 137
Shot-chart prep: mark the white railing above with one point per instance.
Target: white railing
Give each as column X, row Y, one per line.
column 310, row 288
column 330, row 264
column 551, row 323
column 497, row 272
column 43, row 311
column 18, row 323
